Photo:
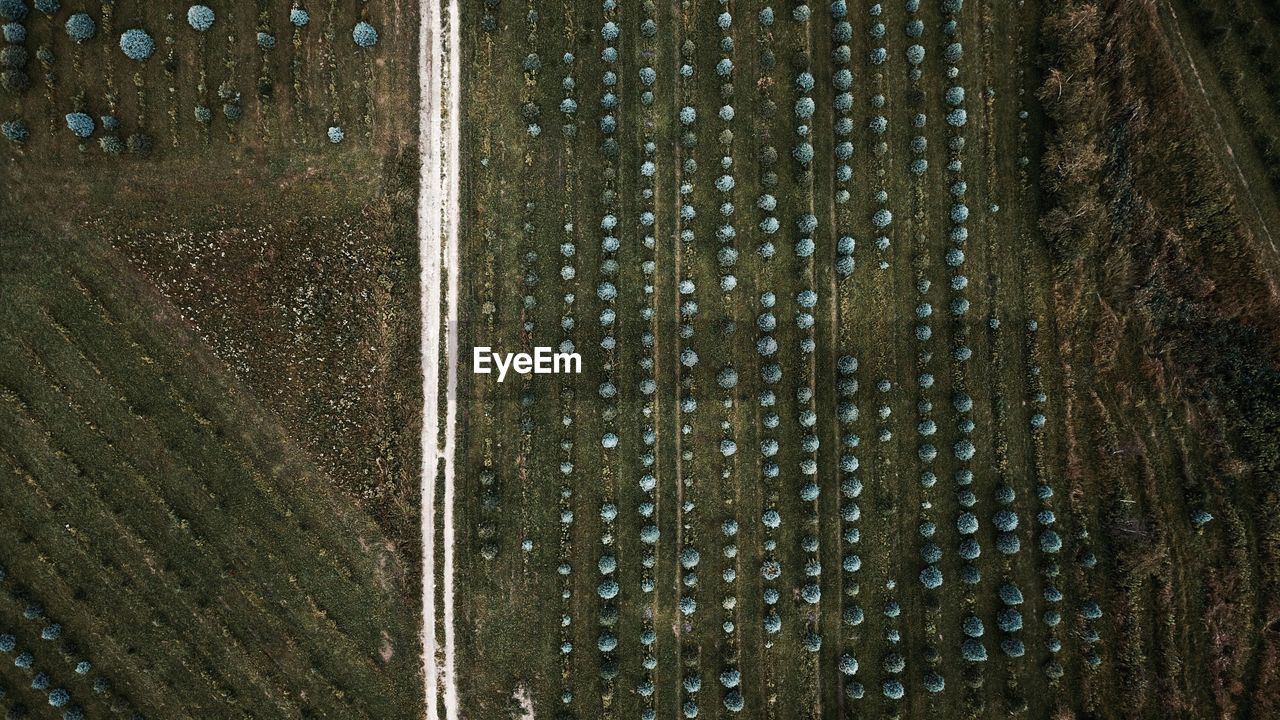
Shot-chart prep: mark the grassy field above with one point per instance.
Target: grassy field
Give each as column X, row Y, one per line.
column 291, row 256
column 1078, row 425
column 162, row 518
column 258, row 98
column 930, row 362
column 210, row 370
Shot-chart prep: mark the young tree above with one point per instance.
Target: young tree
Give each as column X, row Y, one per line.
column 80, row 124
column 200, row 17
column 14, row 10
column 137, row 44
column 365, row 35
column 15, row 131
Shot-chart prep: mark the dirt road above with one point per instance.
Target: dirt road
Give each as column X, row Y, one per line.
column 438, row 72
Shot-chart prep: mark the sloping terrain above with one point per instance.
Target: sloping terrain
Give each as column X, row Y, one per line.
column 165, row 530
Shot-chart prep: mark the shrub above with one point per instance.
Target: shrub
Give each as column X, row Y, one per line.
column 365, row 35
column 15, row 10
column 929, row 552
column 1008, row 543
column 80, row 124
column 336, row 135
column 299, row 17
column 111, row 144
column 1005, row 520
column 607, row 590
column 649, row 534
column 607, row 642
column 1010, row 594
column 200, row 17
column 727, row 378
column 137, row 44
column 1009, row 620
column 1199, row 518
column 811, row 593
column 972, row 650
column 931, row 577
column 14, row 131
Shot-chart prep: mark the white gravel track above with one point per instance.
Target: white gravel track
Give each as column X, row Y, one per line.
column 439, row 66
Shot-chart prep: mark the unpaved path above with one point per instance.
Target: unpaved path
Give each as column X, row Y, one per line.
column 438, row 71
